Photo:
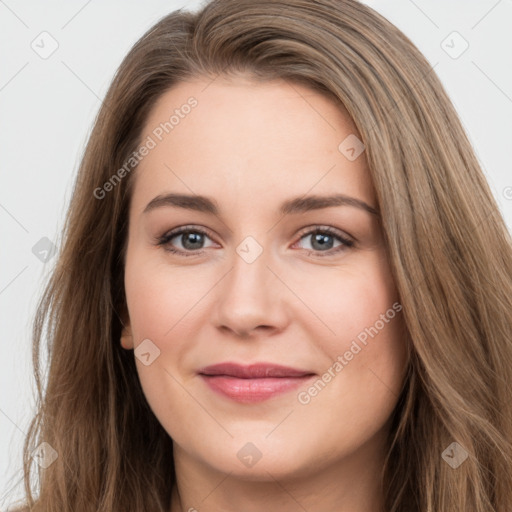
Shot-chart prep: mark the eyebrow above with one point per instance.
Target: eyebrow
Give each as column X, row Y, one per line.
column 291, row 206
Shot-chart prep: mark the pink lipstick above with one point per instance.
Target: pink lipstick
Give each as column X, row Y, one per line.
column 253, row 383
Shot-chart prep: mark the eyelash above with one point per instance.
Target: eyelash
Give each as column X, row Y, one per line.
column 165, row 239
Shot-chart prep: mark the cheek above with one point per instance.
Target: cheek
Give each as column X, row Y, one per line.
column 352, row 302
column 168, row 306
column 160, row 299
column 361, row 336
column 161, row 304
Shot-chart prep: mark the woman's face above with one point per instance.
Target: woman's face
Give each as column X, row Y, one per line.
column 251, row 170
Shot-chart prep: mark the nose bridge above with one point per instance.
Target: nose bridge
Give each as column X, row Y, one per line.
column 248, row 297
column 250, row 272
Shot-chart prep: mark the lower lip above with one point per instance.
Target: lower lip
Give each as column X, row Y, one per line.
column 253, row 390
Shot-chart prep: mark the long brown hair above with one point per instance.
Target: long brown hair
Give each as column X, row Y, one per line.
column 449, row 249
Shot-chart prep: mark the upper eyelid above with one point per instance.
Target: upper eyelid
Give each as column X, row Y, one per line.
column 183, row 229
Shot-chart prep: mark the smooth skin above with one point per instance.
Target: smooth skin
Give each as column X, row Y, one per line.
column 250, row 147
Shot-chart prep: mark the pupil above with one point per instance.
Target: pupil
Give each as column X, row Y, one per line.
column 193, row 238
column 321, row 239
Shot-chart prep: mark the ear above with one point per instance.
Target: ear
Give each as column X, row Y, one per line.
column 126, row 333
column 127, row 338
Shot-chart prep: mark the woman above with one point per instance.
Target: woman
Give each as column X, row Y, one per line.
column 203, row 358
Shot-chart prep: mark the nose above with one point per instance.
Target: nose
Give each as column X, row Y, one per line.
column 250, row 298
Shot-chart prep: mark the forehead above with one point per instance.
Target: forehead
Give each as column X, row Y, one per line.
column 240, row 134
column 278, row 111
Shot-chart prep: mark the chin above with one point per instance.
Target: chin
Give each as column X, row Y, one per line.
column 258, row 459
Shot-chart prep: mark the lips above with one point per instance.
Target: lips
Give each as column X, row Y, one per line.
column 253, row 383
column 254, row 371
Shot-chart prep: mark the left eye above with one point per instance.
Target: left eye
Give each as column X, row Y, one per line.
column 323, row 240
column 192, row 240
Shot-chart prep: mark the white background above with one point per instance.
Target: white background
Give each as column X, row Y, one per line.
column 48, row 106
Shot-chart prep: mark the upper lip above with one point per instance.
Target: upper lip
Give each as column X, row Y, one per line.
column 253, row 371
